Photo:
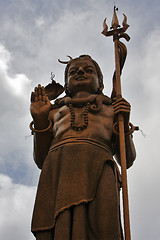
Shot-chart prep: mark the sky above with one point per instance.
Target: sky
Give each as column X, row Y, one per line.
column 33, row 35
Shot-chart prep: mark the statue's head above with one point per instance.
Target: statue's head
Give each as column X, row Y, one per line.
column 83, row 73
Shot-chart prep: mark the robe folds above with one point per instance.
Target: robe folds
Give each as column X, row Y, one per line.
column 78, row 192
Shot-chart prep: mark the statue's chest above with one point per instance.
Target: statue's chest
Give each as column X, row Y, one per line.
column 64, row 111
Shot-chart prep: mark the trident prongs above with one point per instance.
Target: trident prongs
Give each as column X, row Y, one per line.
column 115, row 23
column 117, row 31
column 105, row 27
column 124, row 23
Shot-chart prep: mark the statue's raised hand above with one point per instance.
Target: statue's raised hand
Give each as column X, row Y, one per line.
column 40, row 105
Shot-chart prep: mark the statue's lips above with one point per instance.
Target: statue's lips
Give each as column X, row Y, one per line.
column 81, row 78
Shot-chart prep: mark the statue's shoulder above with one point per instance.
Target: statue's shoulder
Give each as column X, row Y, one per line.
column 106, row 100
column 59, row 102
column 98, row 98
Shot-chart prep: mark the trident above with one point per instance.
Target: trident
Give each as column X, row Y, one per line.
column 119, row 32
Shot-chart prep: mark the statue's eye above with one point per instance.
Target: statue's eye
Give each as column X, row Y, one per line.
column 89, row 70
column 72, row 72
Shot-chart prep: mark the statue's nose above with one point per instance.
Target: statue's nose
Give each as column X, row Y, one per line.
column 80, row 71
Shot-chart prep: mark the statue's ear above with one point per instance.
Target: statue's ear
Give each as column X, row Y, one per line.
column 53, row 90
column 101, row 87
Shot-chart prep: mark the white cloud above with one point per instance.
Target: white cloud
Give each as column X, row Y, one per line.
column 33, row 45
column 16, row 150
column 151, row 62
column 40, row 21
column 17, row 84
column 4, row 59
column 16, row 204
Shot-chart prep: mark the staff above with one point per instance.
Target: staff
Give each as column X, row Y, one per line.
column 119, row 32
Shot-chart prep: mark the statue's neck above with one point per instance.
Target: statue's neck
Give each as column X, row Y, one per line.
column 81, row 95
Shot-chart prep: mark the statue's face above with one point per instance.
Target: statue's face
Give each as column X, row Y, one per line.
column 82, row 76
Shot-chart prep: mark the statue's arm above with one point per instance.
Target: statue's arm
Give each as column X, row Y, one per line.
column 42, row 142
column 130, row 151
column 40, row 108
column 123, row 107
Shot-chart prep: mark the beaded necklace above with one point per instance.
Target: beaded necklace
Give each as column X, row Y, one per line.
column 85, row 117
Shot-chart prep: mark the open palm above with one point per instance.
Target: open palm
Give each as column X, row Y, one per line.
column 40, row 104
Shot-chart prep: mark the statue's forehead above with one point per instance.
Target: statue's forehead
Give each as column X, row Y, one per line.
column 80, row 62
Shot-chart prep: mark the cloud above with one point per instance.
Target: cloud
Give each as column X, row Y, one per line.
column 16, row 204
column 33, row 36
column 40, row 21
column 14, row 121
column 15, row 85
column 18, row 84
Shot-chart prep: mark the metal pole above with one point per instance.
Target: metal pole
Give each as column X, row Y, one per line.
column 122, row 149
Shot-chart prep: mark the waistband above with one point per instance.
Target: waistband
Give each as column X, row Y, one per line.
column 76, row 140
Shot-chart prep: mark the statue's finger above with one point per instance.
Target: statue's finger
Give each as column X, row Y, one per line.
column 43, row 91
column 32, row 96
column 114, row 99
column 36, row 94
column 47, row 100
column 43, row 94
column 39, row 89
column 120, row 101
column 43, row 98
column 122, row 109
column 39, row 97
column 121, row 104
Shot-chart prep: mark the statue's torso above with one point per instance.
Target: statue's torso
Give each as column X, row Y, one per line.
column 100, row 124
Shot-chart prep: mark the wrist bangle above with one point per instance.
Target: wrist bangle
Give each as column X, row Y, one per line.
column 40, row 131
column 130, row 131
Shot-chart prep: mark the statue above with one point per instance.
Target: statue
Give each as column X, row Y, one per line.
column 74, row 145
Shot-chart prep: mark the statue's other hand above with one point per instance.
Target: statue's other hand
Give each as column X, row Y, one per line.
column 121, row 106
column 40, row 104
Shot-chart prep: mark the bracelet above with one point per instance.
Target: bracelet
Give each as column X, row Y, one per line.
column 40, row 131
column 130, row 131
